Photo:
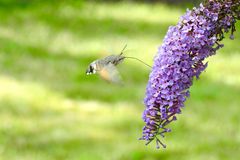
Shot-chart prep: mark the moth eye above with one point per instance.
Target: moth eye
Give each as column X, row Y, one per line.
column 91, row 69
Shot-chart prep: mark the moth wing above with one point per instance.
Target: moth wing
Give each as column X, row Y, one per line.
column 110, row 73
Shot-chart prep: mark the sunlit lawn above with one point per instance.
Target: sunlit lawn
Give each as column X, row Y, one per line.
column 50, row 110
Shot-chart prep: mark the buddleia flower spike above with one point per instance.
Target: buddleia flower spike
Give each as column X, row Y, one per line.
column 181, row 58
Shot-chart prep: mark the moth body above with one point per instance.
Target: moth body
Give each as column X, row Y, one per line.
column 106, row 68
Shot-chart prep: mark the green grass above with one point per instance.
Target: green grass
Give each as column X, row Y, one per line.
column 50, row 110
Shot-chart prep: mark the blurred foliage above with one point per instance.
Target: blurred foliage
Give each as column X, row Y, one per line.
column 153, row 1
column 23, row 3
column 182, row 3
column 49, row 108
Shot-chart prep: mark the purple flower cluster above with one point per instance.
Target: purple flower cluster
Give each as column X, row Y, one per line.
column 181, row 58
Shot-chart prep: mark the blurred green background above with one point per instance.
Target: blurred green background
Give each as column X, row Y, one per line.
column 49, row 108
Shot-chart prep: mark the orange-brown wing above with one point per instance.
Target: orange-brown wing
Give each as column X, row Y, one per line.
column 110, row 74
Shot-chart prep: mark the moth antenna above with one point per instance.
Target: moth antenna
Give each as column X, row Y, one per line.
column 123, row 49
column 139, row 61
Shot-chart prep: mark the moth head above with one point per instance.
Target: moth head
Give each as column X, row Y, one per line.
column 91, row 69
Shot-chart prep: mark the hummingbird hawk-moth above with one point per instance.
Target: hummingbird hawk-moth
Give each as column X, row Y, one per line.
column 106, row 67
